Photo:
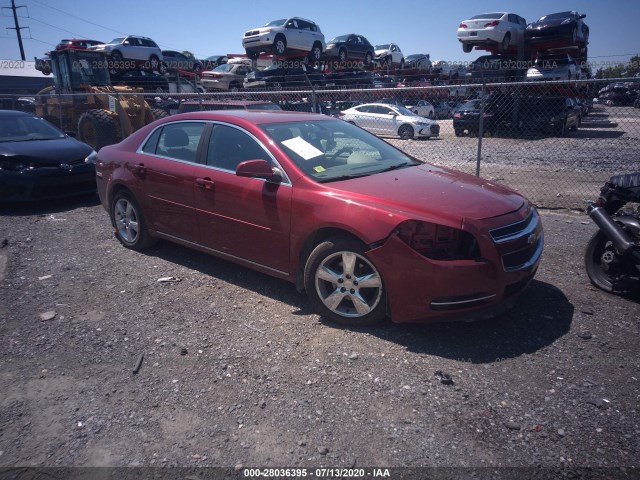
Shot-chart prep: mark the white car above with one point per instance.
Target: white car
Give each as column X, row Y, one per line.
column 501, row 29
column 388, row 54
column 385, row 119
column 284, row 35
column 132, row 47
column 554, row 67
column 423, row 108
column 228, row 76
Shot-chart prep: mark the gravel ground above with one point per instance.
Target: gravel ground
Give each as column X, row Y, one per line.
column 237, row 370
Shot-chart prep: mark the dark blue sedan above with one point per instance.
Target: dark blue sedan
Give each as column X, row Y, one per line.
column 38, row 161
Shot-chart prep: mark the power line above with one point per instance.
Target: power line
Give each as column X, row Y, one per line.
column 58, row 28
column 78, row 18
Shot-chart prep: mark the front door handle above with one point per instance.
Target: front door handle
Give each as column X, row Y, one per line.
column 206, row 183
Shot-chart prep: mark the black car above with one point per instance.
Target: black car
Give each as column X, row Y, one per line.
column 466, row 118
column 179, row 61
column 418, row 61
column 384, row 81
column 148, row 81
column 495, row 68
column 350, row 77
column 554, row 115
column 279, row 76
column 349, row 48
column 213, row 61
column 565, row 27
column 38, row 161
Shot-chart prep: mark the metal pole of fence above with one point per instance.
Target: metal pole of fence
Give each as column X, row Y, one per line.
column 480, row 125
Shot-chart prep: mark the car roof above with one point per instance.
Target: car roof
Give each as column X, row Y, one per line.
column 249, row 116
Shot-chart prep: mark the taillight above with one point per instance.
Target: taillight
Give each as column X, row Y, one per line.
column 457, row 115
column 463, row 25
column 438, row 242
column 492, row 24
column 341, row 114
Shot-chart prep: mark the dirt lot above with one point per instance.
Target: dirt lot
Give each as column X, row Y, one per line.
column 237, row 370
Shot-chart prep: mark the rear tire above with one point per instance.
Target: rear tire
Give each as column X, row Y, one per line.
column 607, row 270
column 467, row 47
column 96, row 128
column 504, row 45
column 131, row 227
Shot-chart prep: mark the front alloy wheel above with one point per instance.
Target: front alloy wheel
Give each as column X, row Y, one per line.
column 343, row 285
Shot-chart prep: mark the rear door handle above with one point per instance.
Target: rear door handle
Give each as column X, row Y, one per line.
column 205, row 183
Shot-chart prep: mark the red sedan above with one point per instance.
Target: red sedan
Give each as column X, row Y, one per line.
column 363, row 228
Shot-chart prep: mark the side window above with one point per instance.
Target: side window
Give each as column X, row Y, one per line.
column 229, row 146
column 180, row 140
column 152, row 142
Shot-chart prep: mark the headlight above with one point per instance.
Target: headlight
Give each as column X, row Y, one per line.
column 91, row 158
column 438, row 242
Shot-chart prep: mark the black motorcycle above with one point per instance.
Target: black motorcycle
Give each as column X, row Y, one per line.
column 612, row 257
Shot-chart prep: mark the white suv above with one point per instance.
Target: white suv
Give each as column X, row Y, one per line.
column 284, row 35
column 132, row 47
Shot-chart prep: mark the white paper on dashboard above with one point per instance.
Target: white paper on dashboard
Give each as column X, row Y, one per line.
column 303, row 148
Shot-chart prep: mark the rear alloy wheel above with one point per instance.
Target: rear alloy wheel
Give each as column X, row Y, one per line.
column 406, row 132
column 97, row 128
column 131, row 227
column 316, row 52
column 343, row 285
column 342, row 55
column 154, row 63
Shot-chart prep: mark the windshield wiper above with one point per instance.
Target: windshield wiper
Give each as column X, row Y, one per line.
column 342, row 177
column 396, row 167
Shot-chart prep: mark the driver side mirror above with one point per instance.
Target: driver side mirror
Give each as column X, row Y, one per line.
column 258, row 169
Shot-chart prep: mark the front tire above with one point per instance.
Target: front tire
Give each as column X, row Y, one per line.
column 279, row 45
column 406, row 132
column 316, row 53
column 609, row 271
column 131, row 227
column 343, row 285
column 96, row 128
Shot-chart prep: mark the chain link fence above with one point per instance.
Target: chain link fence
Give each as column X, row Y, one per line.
column 555, row 142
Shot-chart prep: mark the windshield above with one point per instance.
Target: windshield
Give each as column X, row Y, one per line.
column 225, row 67
column 21, row 129
column 333, row 150
column 276, row 23
column 341, row 38
column 382, row 47
column 470, row 105
column 116, row 40
column 556, row 16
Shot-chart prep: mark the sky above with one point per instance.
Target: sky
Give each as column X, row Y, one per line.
column 213, row 27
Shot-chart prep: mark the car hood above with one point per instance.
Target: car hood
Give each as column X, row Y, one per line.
column 427, row 192
column 381, row 52
column 546, row 23
column 46, row 152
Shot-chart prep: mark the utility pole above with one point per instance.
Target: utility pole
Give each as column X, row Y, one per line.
column 17, row 27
